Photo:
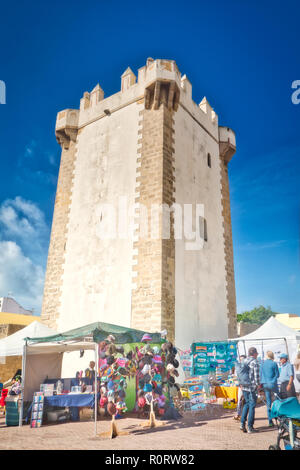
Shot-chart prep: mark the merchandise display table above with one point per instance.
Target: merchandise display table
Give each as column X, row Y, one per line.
column 71, row 400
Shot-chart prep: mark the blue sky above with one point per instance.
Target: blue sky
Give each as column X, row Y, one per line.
column 242, row 55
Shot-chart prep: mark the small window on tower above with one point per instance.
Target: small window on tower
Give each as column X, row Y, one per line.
column 203, row 228
column 209, row 160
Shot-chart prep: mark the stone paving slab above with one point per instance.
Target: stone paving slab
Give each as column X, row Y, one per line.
column 191, row 432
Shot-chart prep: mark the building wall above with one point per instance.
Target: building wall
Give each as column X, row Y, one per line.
column 9, row 366
column 244, row 328
column 289, row 319
column 201, row 310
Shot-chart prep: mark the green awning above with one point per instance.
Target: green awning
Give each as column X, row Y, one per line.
column 99, row 331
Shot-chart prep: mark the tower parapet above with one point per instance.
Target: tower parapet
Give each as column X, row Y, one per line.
column 66, row 127
column 227, row 143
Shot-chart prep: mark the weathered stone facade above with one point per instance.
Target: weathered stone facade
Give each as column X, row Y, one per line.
column 153, row 298
column 58, row 240
column 227, row 149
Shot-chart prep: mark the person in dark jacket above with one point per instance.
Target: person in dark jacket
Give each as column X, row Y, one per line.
column 269, row 374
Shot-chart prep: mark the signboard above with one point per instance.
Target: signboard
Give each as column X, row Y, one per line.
column 209, row 356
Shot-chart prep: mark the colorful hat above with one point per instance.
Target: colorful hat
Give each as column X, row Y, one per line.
column 110, row 360
column 157, row 378
column 141, row 402
column 146, row 338
column 111, row 385
column 111, row 338
column 147, row 388
column 141, row 383
column 111, row 408
column 147, row 359
column 170, row 368
column 157, row 359
column 147, row 378
column 120, row 349
column 121, row 393
column 146, row 369
column 103, row 401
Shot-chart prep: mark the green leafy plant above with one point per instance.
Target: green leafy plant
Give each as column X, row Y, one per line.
column 258, row 315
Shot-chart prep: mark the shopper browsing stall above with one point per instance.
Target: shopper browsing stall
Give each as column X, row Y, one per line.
column 269, row 374
column 248, row 377
column 286, row 377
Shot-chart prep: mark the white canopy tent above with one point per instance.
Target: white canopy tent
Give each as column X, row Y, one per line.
column 274, row 336
column 13, row 344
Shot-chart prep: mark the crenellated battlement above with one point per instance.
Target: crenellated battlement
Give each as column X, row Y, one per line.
column 159, row 81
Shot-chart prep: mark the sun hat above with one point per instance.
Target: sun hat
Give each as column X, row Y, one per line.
column 111, row 408
column 103, row 401
column 110, row 360
column 146, row 369
column 147, row 388
column 110, row 385
column 146, row 338
column 121, row 393
column 147, row 378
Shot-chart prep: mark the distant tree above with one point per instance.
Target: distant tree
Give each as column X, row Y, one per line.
column 258, row 315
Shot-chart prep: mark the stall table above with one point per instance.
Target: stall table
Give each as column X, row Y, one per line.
column 70, row 400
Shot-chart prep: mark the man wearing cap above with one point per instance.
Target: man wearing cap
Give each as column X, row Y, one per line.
column 286, row 378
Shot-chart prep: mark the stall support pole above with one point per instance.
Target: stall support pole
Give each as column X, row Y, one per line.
column 23, row 384
column 287, row 349
column 96, row 386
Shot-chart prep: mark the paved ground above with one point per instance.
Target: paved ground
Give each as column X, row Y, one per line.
column 192, row 432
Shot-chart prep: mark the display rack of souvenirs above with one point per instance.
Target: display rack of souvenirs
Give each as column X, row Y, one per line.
column 154, row 368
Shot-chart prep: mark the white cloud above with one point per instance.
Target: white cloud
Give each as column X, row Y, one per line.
column 24, row 222
column 262, row 246
column 19, row 275
column 30, row 149
column 24, row 237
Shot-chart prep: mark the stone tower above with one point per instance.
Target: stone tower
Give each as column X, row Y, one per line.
column 148, row 146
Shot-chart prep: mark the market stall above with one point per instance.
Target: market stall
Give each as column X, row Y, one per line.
column 274, row 336
column 42, row 358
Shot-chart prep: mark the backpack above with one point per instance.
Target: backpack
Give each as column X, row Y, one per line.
column 243, row 372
